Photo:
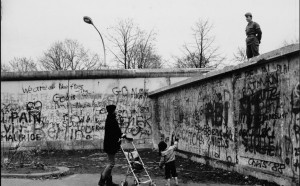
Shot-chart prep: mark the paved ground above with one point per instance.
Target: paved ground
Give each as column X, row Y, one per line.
column 85, row 165
column 85, row 180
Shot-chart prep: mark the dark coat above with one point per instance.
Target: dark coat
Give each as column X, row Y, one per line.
column 112, row 135
column 253, row 33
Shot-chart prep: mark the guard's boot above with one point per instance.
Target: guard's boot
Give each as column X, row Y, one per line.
column 109, row 182
column 101, row 181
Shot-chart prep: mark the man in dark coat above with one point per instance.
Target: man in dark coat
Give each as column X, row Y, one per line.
column 253, row 33
column 112, row 144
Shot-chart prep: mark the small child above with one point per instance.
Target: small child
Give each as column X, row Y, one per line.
column 168, row 158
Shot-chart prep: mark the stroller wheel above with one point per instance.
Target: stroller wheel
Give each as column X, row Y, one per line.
column 124, row 183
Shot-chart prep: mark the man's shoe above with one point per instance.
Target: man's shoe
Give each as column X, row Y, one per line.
column 109, row 182
column 101, row 181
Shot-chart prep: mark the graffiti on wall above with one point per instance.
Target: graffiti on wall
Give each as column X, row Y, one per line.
column 66, row 111
column 200, row 119
column 267, row 114
column 134, row 113
column 250, row 118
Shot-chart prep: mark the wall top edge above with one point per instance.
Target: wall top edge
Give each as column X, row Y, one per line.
column 107, row 73
column 263, row 58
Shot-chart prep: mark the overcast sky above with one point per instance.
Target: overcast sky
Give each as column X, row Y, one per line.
column 29, row 27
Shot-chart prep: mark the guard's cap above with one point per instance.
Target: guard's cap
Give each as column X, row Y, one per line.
column 248, row 14
column 110, row 108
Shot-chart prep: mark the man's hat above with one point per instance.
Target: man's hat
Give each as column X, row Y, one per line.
column 248, row 14
column 110, row 108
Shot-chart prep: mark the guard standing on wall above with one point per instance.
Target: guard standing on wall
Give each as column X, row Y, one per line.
column 111, row 144
column 253, row 33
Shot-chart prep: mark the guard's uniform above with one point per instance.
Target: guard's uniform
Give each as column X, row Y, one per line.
column 253, row 33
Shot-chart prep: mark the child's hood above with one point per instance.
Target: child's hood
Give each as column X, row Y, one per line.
column 169, row 150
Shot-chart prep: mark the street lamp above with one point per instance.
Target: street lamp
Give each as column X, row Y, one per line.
column 89, row 21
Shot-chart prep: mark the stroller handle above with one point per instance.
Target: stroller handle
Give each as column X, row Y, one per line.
column 127, row 139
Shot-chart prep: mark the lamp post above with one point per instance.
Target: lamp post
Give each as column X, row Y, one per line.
column 89, row 21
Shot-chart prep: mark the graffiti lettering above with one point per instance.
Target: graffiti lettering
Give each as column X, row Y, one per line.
column 276, row 167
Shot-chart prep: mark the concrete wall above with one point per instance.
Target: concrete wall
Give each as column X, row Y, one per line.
column 244, row 118
column 66, row 110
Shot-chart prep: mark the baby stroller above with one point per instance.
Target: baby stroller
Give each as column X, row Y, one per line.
column 135, row 167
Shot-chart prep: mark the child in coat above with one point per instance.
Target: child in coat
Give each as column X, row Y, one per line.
column 168, row 159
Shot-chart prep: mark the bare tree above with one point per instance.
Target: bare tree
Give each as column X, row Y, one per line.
column 146, row 57
column 135, row 47
column 289, row 42
column 154, row 61
column 55, row 58
column 145, row 53
column 201, row 52
column 79, row 58
column 5, row 68
column 240, row 56
column 124, row 37
column 69, row 55
column 20, row 64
